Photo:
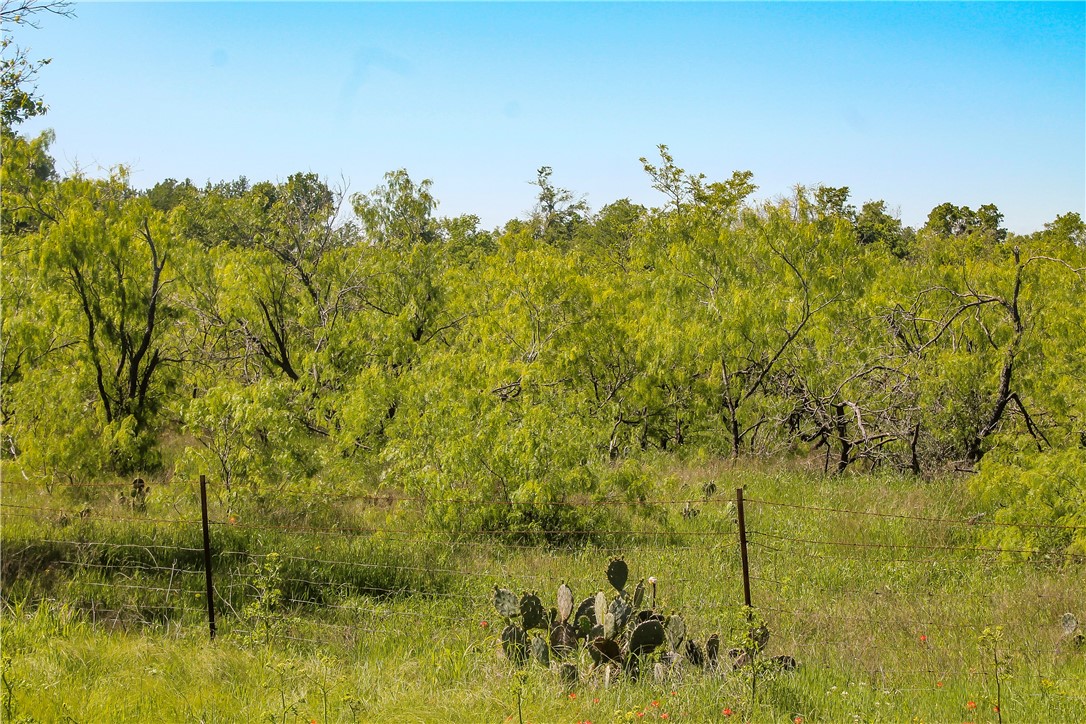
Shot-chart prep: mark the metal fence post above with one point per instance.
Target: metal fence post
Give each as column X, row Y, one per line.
column 743, row 546
column 207, row 557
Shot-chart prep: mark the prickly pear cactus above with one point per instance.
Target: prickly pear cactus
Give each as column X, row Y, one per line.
column 604, row 650
column 621, row 611
column 609, row 628
column 626, row 634
column 515, row 644
column 712, row 650
column 1071, row 632
column 647, row 637
column 506, row 602
column 617, row 573
column 541, row 651
column 693, row 653
column 676, row 632
column 648, row 615
column 565, row 603
column 599, row 606
column 531, row 611
column 563, row 639
column 587, row 608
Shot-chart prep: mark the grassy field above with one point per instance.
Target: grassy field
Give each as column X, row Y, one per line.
column 346, row 609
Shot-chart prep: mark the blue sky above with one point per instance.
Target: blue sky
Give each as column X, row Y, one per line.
column 914, row 103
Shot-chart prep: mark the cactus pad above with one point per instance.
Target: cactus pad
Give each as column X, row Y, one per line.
column 587, row 608
column 506, row 602
column 784, row 663
column 531, row 611
column 609, row 628
column 694, row 654
column 712, row 650
column 606, row 650
column 515, row 644
column 676, row 632
column 646, row 637
column 617, row 573
column 621, row 610
column 584, row 627
column 567, row 672
column 639, row 593
column 565, row 603
column 563, row 639
column 540, row 651
column 600, row 607
column 649, row 615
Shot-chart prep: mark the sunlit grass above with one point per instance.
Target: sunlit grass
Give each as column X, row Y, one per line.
column 382, row 628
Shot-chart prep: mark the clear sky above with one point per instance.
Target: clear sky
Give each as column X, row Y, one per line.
column 914, row 103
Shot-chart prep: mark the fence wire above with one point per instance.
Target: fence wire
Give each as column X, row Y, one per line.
column 321, row 600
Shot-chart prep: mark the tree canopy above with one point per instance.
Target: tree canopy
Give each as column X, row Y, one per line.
column 286, row 335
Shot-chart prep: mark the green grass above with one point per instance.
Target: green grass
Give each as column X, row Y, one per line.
column 387, row 626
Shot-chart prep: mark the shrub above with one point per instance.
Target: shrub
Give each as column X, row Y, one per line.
column 1024, row 488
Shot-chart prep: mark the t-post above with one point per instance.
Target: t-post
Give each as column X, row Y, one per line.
column 207, row 557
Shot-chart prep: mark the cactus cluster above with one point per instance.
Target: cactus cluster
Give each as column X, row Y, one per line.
column 620, row 633
column 137, row 497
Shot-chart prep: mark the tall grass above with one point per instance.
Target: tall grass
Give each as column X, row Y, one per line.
column 397, row 625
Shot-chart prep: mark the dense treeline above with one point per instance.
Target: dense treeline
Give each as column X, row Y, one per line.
column 291, row 337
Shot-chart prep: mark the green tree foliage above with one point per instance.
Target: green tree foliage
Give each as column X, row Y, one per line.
column 957, row 221
column 109, row 252
column 286, row 336
column 246, row 439
column 1037, row 498
column 874, row 225
column 90, row 298
column 558, row 213
column 19, row 99
column 27, row 332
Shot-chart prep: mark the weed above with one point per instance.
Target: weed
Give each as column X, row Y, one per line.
column 262, row 615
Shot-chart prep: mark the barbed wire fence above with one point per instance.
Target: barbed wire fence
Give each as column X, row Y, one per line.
column 838, row 626
column 831, row 597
